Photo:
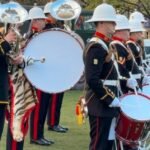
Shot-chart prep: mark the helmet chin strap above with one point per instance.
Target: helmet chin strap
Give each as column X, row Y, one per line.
column 110, row 31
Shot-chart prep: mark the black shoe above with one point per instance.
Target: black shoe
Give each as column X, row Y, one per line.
column 57, row 129
column 49, row 141
column 40, row 142
column 64, row 127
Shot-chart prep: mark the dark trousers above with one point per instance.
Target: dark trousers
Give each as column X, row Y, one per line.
column 11, row 144
column 54, row 112
column 38, row 115
column 2, row 118
column 99, row 132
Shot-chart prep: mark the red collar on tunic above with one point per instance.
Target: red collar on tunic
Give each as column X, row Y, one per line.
column 35, row 29
column 118, row 39
column 132, row 40
column 102, row 36
column 48, row 20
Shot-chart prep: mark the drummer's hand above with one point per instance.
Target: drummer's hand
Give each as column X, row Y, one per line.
column 28, row 61
column 146, row 80
column 17, row 60
column 132, row 83
column 115, row 103
column 11, row 37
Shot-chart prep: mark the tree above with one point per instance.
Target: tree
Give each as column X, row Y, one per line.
column 123, row 6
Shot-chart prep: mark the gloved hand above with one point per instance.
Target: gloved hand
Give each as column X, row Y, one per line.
column 132, row 83
column 28, row 61
column 146, row 80
column 115, row 103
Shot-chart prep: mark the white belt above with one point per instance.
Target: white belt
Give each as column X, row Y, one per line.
column 110, row 82
column 140, row 67
column 136, row 76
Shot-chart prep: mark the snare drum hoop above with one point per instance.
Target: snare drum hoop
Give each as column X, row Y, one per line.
column 52, row 29
column 125, row 140
column 129, row 116
column 144, row 93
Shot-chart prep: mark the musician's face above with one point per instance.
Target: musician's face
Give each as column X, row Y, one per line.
column 107, row 28
column 125, row 34
column 110, row 27
column 40, row 23
column 139, row 35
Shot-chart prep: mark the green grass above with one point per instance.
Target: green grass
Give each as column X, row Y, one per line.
column 77, row 138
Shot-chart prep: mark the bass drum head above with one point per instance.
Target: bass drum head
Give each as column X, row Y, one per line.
column 136, row 107
column 63, row 64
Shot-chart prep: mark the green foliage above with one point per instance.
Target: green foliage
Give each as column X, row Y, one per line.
column 124, row 6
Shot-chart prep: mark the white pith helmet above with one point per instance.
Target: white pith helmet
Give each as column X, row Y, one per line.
column 47, row 7
column 136, row 26
column 122, row 22
column 136, row 15
column 36, row 13
column 103, row 12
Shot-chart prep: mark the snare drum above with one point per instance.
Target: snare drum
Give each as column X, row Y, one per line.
column 146, row 90
column 133, row 119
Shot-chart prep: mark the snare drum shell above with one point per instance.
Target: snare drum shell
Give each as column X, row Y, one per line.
column 128, row 130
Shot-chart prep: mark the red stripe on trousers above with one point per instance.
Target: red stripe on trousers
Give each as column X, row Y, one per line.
column 53, row 109
column 97, row 133
column 14, row 145
column 36, row 116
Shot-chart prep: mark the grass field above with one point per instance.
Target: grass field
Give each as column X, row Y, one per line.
column 76, row 139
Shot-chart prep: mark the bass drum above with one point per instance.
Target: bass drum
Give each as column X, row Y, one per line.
column 63, row 64
column 77, row 36
column 133, row 121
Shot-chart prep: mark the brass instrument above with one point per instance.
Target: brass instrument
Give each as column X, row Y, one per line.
column 65, row 10
column 14, row 14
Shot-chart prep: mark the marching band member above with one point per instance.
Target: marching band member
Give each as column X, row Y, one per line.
column 54, row 110
column 136, row 33
column 22, row 101
column 5, row 49
column 38, row 115
column 123, row 55
column 124, row 58
column 101, row 79
column 138, row 16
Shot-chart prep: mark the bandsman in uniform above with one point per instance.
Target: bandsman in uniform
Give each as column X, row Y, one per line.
column 136, row 34
column 5, row 49
column 123, row 55
column 38, row 115
column 136, row 15
column 101, row 79
column 125, row 60
column 54, row 109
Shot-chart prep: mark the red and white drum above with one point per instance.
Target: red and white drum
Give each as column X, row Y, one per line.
column 133, row 121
